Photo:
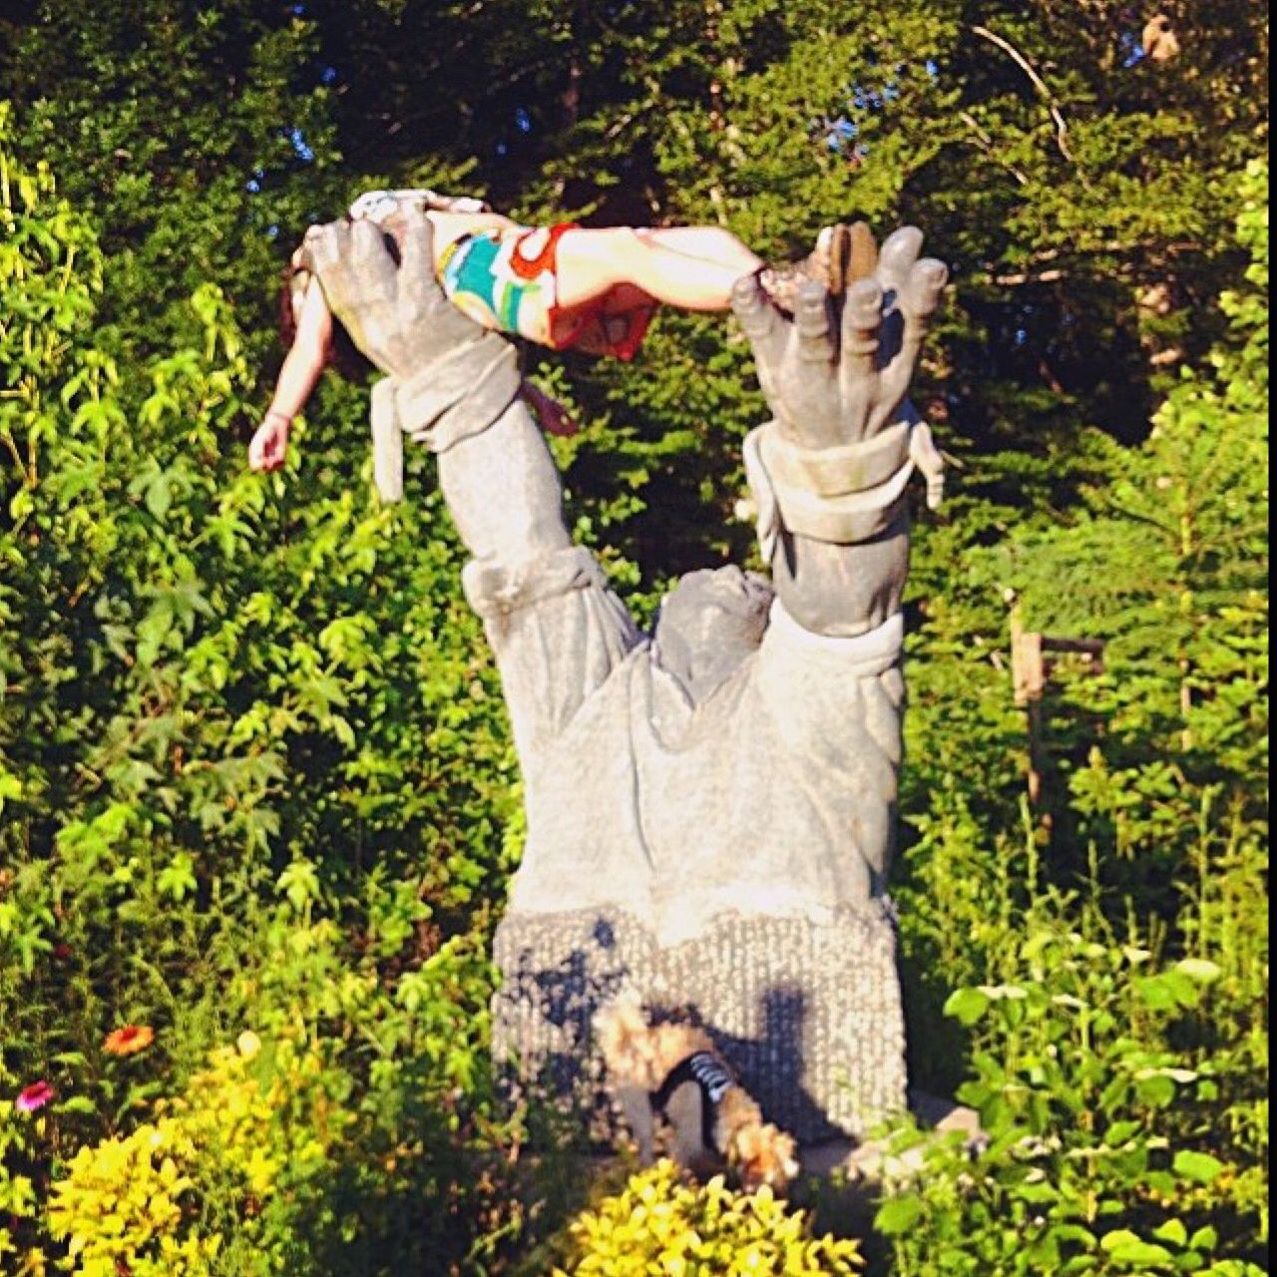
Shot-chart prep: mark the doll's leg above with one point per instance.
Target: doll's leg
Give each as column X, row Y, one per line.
column 710, row 243
column 693, row 268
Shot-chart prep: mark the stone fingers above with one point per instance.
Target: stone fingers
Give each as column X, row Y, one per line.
column 323, row 248
column 342, row 260
column 924, row 287
column 421, row 296
column 418, row 255
column 896, row 259
column 919, row 295
column 861, row 319
column 371, row 262
column 811, row 325
column 917, row 301
column 760, row 322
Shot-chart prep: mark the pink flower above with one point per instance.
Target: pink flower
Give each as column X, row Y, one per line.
column 34, row 1097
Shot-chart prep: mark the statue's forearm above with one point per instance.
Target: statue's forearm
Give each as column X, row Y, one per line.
column 842, row 589
column 503, row 490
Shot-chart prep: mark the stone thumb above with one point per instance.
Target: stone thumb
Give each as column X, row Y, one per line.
column 418, row 258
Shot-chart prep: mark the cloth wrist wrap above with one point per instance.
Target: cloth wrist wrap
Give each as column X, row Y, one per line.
column 841, row 495
column 455, row 397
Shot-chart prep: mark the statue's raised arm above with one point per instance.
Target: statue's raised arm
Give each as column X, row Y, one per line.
column 451, row 385
column 829, row 472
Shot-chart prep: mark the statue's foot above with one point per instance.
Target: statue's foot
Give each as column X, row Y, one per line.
column 843, row 254
column 862, row 253
column 780, row 285
column 832, row 257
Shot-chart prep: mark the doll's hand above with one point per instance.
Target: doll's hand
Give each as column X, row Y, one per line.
column 269, row 444
column 549, row 412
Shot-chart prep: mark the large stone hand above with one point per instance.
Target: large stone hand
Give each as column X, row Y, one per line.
column 829, row 473
column 450, row 377
column 452, row 385
column 829, row 386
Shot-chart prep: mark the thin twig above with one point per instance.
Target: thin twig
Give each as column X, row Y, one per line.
column 622, row 123
column 1147, row 254
column 986, row 145
column 1026, row 277
column 1061, row 128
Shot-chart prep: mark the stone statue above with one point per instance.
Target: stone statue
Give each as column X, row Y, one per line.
column 710, row 810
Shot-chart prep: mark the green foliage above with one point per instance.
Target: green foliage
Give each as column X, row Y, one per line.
column 210, row 692
column 1119, row 1048
column 1091, row 1119
column 254, row 770
column 303, row 1148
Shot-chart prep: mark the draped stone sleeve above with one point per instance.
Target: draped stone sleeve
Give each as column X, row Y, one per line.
column 557, row 632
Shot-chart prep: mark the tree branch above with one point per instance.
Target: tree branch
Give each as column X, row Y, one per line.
column 1061, row 128
column 985, row 143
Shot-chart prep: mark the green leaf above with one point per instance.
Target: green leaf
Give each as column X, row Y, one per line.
column 1156, row 992
column 76, row 1104
column 1120, row 1132
column 966, row 1005
column 898, row 1215
column 1204, row 1239
column 1199, row 1167
column 1126, row 1249
column 1157, row 1091
column 1172, row 1231
column 1074, row 1233
column 1198, row 969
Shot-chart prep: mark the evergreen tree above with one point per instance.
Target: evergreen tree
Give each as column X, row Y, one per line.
column 191, row 134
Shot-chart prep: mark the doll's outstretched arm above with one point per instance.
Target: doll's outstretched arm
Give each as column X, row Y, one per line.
column 297, row 377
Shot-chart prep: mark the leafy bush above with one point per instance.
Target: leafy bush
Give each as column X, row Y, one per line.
column 1112, row 941
column 658, row 1223
column 1098, row 1135
column 157, row 1200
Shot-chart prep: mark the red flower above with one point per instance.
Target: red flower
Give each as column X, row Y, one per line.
column 129, row 1040
column 34, row 1097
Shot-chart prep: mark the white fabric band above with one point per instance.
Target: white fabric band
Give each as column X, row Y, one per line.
column 867, row 655
column 841, row 495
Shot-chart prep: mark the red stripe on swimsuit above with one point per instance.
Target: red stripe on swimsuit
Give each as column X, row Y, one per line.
column 568, row 325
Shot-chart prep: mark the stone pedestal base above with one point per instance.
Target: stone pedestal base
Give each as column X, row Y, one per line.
column 809, row 1015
